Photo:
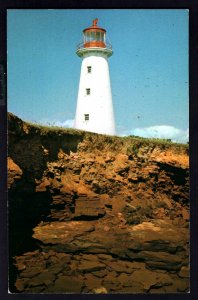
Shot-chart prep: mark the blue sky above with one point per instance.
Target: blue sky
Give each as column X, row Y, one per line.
column 149, row 67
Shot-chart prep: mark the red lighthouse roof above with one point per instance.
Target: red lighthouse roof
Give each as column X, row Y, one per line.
column 94, row 36
column 94, row 26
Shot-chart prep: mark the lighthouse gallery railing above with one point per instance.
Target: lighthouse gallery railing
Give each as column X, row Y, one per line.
column 81, row 46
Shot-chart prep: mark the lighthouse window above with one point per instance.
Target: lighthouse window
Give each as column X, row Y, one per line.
column 89, row 69
column 87, row 37
column 86, row 117
column 92, row 36
column 97, row 36
column 88, row 91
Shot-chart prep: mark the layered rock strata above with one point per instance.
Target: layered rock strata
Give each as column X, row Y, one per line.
column 96, row 214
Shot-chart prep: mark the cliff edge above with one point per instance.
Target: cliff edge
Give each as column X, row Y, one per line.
column 91, row 213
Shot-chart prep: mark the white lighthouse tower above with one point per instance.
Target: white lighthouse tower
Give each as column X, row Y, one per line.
column 94, row 110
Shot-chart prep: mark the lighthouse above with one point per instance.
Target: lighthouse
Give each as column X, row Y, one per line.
column 94, row 111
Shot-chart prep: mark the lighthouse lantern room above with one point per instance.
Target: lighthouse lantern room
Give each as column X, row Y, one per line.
column 94, row 111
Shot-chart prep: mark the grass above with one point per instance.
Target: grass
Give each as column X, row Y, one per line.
column 134, row 141
column 130, row 141
column 156, row 141
column 47, row 129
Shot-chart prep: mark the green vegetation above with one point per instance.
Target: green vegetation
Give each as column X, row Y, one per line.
column 155, row 140
column 116, row 142
column 45, row 130
column 95, row 141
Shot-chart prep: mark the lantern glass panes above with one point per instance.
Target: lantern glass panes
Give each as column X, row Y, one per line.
column 92, row 38
column 97, row 36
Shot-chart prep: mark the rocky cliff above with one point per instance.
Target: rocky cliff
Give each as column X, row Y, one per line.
column 91, row 213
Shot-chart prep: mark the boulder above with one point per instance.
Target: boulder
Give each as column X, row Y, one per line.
column 92, row 282
column 14, row 172
column 100, row 290
column 150, row 279
column 67, row 284
column 184, row 272
column 161, row 260
column 90, row 266
column 61, row 232
column 45, row 278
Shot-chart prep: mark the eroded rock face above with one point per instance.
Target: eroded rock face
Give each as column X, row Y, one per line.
column 14, row 172
column 99, row 214
column 58, row 271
